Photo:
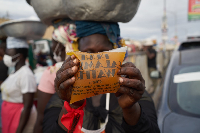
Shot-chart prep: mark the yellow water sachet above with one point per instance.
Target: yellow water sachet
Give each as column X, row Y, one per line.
column 97, row 73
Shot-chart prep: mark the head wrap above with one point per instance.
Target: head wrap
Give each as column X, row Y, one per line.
column 56, row 23
column 13, row 42
column 111, row 30
column 66, row 35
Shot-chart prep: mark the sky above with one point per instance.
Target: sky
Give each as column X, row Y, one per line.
column 145, row 25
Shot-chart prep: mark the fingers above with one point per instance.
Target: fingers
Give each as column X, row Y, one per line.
column 65, row 75
column 130, row 91
column 65, row 94
column 64, row 90
column 128, row 64
column 68, row 63
column 132, row 83
column 128, row 96
column 131, row 72
column 70, row 58
column 67, row 83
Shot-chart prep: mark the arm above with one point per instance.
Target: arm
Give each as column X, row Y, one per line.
column 147, row 122
column 51, row 114
column 28, row 103
column 139, row 116
column 63, row 84
column 50, row 121
column 150, row 55
column 132, row 115
column 45, row 91
column 43, row 99
column 132, row 87
column 130, row 92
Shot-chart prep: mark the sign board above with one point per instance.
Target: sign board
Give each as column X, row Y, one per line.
column 194, row 10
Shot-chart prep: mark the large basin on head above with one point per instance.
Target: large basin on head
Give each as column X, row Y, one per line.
column 49, row 10
column 94, row 10
column 102, row 10
column 29, row 29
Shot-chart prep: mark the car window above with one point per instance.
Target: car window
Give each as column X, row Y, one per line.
column 189, row 45
column 185, row 90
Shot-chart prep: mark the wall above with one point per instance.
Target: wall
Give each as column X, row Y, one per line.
column 140, row 61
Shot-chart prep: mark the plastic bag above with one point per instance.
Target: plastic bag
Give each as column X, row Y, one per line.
column 97, row 73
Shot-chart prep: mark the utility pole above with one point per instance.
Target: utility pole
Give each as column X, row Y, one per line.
column 175, row 22
column 7, row 15
column 164, row 27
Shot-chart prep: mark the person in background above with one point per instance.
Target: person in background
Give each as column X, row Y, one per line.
column 49, row 61
column 3, row 70
column 131, row 110
column 62, row 38
column 18, row 112
column 151, row 54
column 3, row 67
column 41, row 59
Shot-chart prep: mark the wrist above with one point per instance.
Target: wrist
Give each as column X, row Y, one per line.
column 131, row 115
column 132, row 109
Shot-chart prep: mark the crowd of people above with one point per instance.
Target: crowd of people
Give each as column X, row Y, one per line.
column 131, row 109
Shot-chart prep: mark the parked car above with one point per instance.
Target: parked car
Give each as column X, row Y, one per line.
column 179, row 109
column 190, row 44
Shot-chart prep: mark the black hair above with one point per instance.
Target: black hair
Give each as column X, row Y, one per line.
column 3, row 44
column 23, row 51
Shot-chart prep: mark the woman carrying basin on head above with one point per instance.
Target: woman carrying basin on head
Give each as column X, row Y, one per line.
column 18, row 112
column 61, row 39
column 130, row 109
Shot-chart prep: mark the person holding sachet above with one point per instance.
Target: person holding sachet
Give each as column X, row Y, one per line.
column 130, row 109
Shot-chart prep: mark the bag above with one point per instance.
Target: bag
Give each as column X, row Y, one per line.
column 97, row 73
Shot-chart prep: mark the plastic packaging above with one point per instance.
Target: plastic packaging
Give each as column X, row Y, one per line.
column 97, row 73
